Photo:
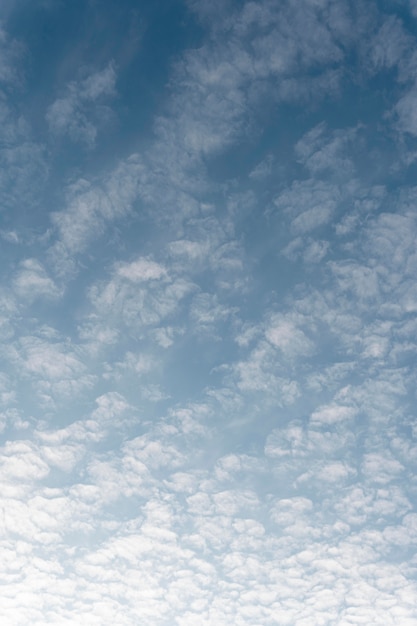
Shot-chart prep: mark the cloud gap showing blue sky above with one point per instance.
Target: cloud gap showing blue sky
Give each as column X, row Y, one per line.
column 208, row 298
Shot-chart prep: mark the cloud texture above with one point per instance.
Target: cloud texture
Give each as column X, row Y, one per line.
column 208, row 313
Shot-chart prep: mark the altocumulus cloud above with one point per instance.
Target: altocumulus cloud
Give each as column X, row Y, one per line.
column 208, row 313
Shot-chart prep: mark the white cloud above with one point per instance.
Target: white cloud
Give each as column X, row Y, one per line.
column 165, row 337
column 55, row 369
column 11, row 52
column 315, row 252
column 381, row 468
column 81, row 113
column 362, row 503
column 139, row 294
column 110, row 406
column 336, row 472
column 389, row 45
column 285, row 334
column 406, row 112
column 32, row 281
column 154, row 453
column 360, row 280
column 288, row 511
column 10, row 236
column 309, row 204
column 95, row 336
column 260, row 372
column 263, row 169
column 49, row 360
column 207, row 313
column 24, row 170
column 320, row 150
column 332, row 414
column 141, row 271
column 90, row 209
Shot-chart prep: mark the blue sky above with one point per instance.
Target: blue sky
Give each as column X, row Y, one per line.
column 208, row 296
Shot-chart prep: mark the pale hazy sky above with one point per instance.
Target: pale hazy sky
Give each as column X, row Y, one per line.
column 208, row 298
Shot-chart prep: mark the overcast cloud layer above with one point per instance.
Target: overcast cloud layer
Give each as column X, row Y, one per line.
column 208, row 299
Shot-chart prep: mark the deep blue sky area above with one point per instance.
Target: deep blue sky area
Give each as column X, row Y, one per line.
column 208, row 298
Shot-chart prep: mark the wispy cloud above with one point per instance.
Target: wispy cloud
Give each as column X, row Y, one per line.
column 32, row 281
column 83, row 110
column 90, row 208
